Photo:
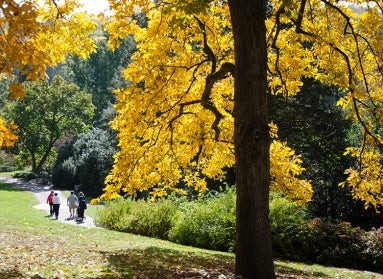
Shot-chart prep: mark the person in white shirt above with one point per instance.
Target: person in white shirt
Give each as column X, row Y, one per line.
column 72, row 203
column 56, row 205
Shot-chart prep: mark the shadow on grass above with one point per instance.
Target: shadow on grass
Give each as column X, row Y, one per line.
column 160, row 263
column 11, row 273
column 11, row 184
column 155, row 262
column 285, row 271
column 8, row 187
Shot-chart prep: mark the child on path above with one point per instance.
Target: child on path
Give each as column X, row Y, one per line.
column 56, row 205
column 72, row 202
column 50, row 201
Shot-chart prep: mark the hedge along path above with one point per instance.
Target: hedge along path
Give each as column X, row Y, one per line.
column 41, row 192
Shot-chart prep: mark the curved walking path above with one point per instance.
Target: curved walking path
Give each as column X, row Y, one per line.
column 41, row 193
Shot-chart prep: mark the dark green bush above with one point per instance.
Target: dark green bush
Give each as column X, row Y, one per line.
column 26, row 175
column 85, row 161
column 64, row 175
column 93, row 155
column 338, row 244
column 341, row 245
column 64, row 168
column 374, row 248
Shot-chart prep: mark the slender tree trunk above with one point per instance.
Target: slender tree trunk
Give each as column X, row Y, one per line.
column 252, row 140
column 33, row 159
column 40, row 164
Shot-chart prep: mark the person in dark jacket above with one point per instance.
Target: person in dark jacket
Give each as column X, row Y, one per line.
column 81, row 207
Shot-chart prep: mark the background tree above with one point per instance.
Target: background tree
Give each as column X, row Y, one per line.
column 101, row 72
column 86, row 161
column 47, row 113
column 7, row 137
column 93, row 154
column 64, row 167
column 35, row 36
column 315, row 128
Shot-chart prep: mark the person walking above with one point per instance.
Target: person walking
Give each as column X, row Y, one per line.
column 81, row 207
column 50, row 201
column 56, row 205
column 72, row 202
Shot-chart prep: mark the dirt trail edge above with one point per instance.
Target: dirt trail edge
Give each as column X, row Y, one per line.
column 41, row 193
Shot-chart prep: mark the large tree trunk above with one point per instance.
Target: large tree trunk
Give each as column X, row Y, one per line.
column 252, row 140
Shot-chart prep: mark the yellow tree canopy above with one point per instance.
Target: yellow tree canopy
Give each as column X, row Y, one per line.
column 175, row 121
column 38, row 34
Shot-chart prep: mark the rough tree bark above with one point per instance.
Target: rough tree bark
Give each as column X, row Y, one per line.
column 252, row 140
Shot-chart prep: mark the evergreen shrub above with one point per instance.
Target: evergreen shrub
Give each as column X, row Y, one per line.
column 64, row 174
column 151, row 219
column 114, row 215
column 209, row 222
column 314, row 241
column 290, row 238
column 374, row 248
column 206, row 223
column 342, row 245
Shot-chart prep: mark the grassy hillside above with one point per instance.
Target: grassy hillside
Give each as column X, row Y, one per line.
column 33, row 246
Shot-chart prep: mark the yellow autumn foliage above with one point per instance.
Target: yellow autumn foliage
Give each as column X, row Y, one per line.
column 7, row 138
column 175, row 122
column 366, row 178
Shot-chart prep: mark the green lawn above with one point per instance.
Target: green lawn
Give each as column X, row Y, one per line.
column 33, row 246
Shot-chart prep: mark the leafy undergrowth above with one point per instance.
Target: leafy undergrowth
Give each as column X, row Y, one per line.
column 32, row 246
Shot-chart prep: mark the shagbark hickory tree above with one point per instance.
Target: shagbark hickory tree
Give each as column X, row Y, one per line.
column 176, row 121
column 251, row 140
column 197, row 100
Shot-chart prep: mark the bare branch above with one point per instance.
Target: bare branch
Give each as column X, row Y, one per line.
column 276, row 48
column 223, row 72
column 206, row 48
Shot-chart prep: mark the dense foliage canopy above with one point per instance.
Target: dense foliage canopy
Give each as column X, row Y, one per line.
column 181, row 100
column 175, row 121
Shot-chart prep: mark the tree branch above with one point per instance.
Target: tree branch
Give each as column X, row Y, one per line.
column 223, row 72
column 348, row 30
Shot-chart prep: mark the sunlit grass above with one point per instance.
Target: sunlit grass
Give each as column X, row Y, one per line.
column 319, row 271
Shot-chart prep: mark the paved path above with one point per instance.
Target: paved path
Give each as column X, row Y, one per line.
column 41, row 193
